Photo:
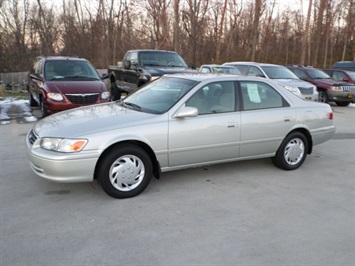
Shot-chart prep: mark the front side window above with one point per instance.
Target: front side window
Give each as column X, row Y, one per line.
column 255, row 72
column 259, row 95
column 279, row 72
column 217, row 97
column 300, row 74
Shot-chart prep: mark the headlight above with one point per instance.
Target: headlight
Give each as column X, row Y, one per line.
column 292, row 89
column 334, row 88
column 55, row 96
column 105, row 95
column 63, row 145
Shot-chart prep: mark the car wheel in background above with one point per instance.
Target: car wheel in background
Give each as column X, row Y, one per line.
column 342, row 103
column 125, row 171
column 323, row 96
column 115, row 91
column 31, row 101
column 44, row 111
column 292, row 152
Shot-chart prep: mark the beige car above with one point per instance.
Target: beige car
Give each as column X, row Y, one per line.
column 178, row 121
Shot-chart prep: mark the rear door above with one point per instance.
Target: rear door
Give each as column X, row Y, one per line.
column 265, row 120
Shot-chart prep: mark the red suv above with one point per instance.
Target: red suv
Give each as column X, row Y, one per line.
column 340, row 92
column 61, row 83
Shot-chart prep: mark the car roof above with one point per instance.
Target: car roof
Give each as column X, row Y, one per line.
column 215, row 65
column 338, row 69
column 198, row 76
column 251, row 63
column 55, row 58
column 152, row 51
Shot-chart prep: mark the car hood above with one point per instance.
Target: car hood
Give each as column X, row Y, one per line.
column 78, row 86
column 294, row 83
column 330, row 82
column 90, row 120
column 154, row 71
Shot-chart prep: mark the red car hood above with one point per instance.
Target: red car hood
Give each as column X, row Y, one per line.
column 74, row 87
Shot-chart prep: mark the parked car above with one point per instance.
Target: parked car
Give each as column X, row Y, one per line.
column 341, row 75
column 280, row 74
column 346, row 65
column 59, row 83
column 340, row 92
column 178, row 121
column 219, row 69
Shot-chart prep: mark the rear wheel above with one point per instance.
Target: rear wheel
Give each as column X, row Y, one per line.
column 292, row 152
column 125, row 171
column 115, row 91
column 323, row 96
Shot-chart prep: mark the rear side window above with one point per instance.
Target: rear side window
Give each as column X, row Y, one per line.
column 259, row 95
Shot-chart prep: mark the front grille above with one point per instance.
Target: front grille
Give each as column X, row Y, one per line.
column 32, row 137
column 308, row 91
column 348, row 88
column 82, row 98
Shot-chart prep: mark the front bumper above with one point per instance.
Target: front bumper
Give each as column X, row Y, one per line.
column 61, row 167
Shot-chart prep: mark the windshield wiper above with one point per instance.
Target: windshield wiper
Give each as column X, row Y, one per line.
column 79, row 77
column 135, row 106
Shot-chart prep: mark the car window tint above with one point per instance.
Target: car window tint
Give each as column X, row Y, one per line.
column 259, row 95
column 256, row 72
column 205, row 70
column 300, row 74
column 217, row 97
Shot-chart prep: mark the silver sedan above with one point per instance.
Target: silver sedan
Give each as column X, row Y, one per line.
column 178, row 121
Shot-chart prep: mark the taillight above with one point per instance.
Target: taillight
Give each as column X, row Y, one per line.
column 331, row 116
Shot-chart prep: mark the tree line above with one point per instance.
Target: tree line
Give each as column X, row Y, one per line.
column 317, row 32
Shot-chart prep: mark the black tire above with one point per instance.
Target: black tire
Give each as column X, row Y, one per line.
column 31, row 101
column 115, row 91
column 292, row 152
column 342, row 103
column 44, row 111
column 125, row 171
column 323, row 96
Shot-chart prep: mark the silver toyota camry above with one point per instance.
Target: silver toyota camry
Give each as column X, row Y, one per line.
column 175, row 122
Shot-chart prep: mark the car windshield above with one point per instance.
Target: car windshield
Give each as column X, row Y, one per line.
column 159, row 96
column 351, row 74
column 162, row 59
column 69, row 70
column 317, row 74
column 279, row 72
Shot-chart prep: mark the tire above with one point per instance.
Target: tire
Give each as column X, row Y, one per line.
column 292, row 152
column 323, row 96
column 125, row 171
column 115, row 91
column 342, row 103
column 31, row 101
column 44, row 111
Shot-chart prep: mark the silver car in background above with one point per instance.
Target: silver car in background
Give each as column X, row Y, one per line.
column 280, row 74
column 178, row 121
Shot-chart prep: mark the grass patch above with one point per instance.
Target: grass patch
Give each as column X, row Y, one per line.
column 16, row 95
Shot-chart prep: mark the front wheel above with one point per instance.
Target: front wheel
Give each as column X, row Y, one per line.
column 323, row 96
column 125, row 171
column 44, row 110
column 292, row 152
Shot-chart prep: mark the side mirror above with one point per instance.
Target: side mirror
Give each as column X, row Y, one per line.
column 35, row 77
column 193, row 66
column 346, row 79
column 127, row 64
column 186, row 112
column 104, row 76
